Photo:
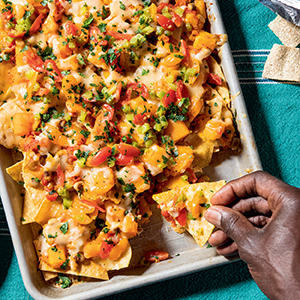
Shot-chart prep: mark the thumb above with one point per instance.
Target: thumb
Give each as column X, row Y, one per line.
column 233, row 223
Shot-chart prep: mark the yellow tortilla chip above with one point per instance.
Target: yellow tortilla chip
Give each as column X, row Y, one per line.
column 34, row 196
column 15, row 171
column 87, row 268
column 95, row 268
column 199, row 228
column 122, row 262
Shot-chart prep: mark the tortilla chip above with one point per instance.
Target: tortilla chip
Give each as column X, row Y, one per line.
column 203, row 151
column 122, row 262
column 283, row 64
column 287, row 32
column 86, row 268
column 199, row 228
column 34, row 196
column 15, row 171
column 48, row 275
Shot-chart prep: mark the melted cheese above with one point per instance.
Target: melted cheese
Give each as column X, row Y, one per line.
column 73, row 239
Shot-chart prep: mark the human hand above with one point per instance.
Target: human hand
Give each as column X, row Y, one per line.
column 262, row 225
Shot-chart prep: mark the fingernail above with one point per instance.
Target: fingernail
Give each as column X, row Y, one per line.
column 213, row 216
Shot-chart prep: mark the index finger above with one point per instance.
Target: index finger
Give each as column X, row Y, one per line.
column 257, row 183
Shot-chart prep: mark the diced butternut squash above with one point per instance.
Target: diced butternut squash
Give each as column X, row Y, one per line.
column 55, row 136
column 92, row 249
column 118, row 249
column 79, row 217
column 56, row 256
column 69, row 84
column 49, row 26
column 214, row 129
column 205, row 40
column 175, row 182
column 142, row 107
column 130, row 227
column 178, row 130
column 153, row 159
column 22, row 123
column 172, row 60
column 183, row 160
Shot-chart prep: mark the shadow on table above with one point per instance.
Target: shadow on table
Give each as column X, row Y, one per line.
column 196, row 285
column 256, row 113
column 7, row 249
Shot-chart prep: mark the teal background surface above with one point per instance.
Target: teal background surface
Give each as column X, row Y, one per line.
column 274, row 110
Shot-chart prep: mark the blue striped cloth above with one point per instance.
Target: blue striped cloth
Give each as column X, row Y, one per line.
column 274, row 111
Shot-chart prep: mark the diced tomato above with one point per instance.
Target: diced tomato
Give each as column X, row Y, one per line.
column 182, row 91
column 139, row 119
column 169, row 97
column 123, row 160
column 181, row 3
column 36, row 24
column 34, row 61
column 128, row 150
column 176, row 19
column 118, row 35
column 97, row 36
column 156, row 256
column 191, row 177
column 60, row 176
column 165, row 23
column 162, row 5
column 16, row 34
column 52, row 70
column 29, row 144
column 51, row 197
column 100, row 157
column 110, row 112
column 181, row 219
column 71, row 29
column 93, row 204
column 106, row 248
column 167, row 216
column 59, row 10
column 185, row 51
column 214, row 79
column 138, row 87
column 45, row 182
column 116, row 63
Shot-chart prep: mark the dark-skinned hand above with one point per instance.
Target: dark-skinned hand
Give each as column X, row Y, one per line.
column 259, row 219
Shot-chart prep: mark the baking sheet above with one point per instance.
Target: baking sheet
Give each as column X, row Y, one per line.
column 186, row 256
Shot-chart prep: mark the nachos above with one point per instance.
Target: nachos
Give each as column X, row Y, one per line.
column 108, row 101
